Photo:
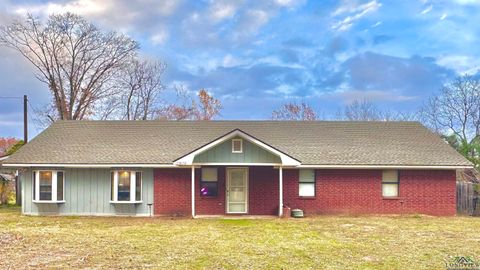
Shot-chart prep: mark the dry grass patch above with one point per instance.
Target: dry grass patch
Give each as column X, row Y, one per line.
column 327, row 242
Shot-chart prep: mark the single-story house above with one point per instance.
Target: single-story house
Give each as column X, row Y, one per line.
column 197, row 168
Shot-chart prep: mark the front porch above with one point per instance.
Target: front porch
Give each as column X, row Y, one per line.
column 236, row 174
column 253, row 190
column 222, row 191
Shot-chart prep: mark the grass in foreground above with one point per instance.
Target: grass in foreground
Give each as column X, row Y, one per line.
column 326, row 242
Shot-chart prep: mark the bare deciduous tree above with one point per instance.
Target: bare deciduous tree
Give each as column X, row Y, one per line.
column 73, row 57
column 139, row 87
column 455, row 109
column 362, row 111
column 295, row 111
column 367, row 111
column 455, row 114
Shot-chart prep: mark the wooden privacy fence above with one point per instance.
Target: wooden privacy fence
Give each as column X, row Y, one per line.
column 467, row 199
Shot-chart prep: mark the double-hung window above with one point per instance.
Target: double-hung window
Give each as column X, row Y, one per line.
column 126, row 187
column 306, row 187
column 48, row 186
column 390, row 183
column 209, row 182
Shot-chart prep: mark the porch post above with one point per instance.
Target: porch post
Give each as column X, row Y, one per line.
column 280, row 183
column 193, row 191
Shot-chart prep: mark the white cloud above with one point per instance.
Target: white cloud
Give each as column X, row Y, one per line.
column 159, row 38
column 118, row 14
column 356, row 12
column 82, row 7
column 353, row 7
column 427, row 10
column 350, row 96
column 377, row 24
column 467, row 2
column 443, row 17
column 250, row 23
column 460, row 63
column 258, row 18
column 284, row 89
column 220, row 10
column 289, row 3
column 166, row 7
column 232, row 61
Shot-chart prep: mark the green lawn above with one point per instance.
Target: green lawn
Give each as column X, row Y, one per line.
column 331, row 242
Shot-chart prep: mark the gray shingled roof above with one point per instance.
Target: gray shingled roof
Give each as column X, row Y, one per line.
column 162, row 142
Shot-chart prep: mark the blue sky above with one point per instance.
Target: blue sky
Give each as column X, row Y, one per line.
column 255, row 55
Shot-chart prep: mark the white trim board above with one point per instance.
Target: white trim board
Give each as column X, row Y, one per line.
column 384, row 167
column 92, row 165
column 188, row 159
column 454, row 167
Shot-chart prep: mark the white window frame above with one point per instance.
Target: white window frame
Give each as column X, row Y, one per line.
column 133, row 185
column 397, row 183
column 314, row 183
column 241, row 145
column 36, row 182
column 203, row 179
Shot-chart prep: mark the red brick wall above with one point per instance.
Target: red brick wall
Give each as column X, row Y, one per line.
column 172, row 192
column 210, row 205
column 263, row 191
column 337, row 191
column 360, row 192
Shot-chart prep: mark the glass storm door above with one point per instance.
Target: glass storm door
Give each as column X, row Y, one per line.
column 237, row 190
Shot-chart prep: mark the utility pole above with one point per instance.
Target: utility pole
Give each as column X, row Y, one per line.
column 18, row 184
column 25, row 119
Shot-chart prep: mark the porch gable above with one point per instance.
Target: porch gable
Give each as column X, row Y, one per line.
column 220, row 152
column 250, row 153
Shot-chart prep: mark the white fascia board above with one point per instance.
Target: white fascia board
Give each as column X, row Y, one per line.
column 433, row 167
column 238, row 164
column 188, row 159
column 23, row 165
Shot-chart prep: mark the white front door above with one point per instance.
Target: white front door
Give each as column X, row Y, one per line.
column 237, row 190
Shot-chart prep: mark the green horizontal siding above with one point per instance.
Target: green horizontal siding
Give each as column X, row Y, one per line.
column 222, row 153
column 87, row 192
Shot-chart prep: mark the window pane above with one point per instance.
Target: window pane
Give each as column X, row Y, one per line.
column 123, row 186
column 307, row 176
column 306, row 189
column 34, row 173
column 390, row 176
column 209, row 174
column 237, row 194
column 237, row 207
column 208, row 189
column 59, row 186
column 390, row 190
column 45, row 186
column 112, row 186
column 138, row 186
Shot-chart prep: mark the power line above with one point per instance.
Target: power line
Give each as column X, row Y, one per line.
column 35, row 115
